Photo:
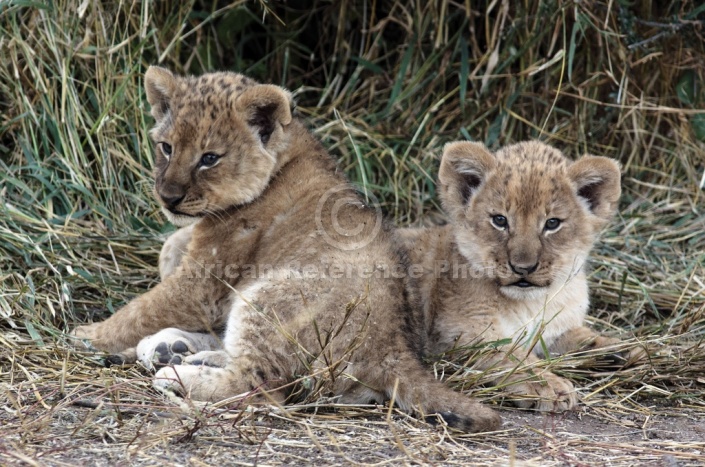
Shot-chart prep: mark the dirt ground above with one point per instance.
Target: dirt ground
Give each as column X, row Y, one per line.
column 61, row 407
column 74, row 430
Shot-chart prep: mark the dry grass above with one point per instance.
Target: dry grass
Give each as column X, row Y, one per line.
column 384, row 84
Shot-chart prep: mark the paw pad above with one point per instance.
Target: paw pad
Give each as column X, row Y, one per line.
column 179, row 347
column 165, row 354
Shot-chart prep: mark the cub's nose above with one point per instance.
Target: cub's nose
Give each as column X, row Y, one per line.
column 524, row 269
column 171, row 201
column 171, row 195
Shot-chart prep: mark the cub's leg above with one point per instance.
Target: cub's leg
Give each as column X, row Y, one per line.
column 400, row 376
column 189, row 299
column 529, row 387
column 256, row 358
column 244, row 375
column 582, row 339
column 520, row 375
column 173, row 251
column 271, row 340
column 170, row 258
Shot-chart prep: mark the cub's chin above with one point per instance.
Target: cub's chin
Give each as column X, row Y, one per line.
column 180, row 220
column 522, row 292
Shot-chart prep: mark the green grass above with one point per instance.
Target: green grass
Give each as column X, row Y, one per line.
column 384, row 85
column 384, row 89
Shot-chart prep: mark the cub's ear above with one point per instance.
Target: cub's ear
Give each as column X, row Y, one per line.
column 159, row 84
column 597, row 183
column 265, row 105
column 464, row 167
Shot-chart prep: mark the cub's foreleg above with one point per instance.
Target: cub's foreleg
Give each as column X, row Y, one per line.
column 528, row 385
column 173, row 251
column 583, row 339
column 190, row 299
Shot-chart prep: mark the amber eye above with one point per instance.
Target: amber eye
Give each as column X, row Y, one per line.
column 500, row 221
column 208, row 159
column 166, row 149
column 552, row 224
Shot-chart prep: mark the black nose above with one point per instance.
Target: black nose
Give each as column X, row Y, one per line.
column 171, row 200
column 524, row 269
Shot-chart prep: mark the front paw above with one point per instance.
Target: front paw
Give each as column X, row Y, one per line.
column 98, row 337
column 211, row 358
column 200, row 383
column 177, row 379
column 171, row 346
column 126, row 357
column 546, row 392
column 613, row 355
column 187, row 381
column 84, row 337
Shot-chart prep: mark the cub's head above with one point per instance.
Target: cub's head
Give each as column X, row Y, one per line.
column 527, row 214
column 218, row 139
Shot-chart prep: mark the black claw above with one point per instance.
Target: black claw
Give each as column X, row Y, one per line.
column 179, row 347
column 453, row 420
column 610, row 361
column 162, row 348
column 613, row 359
column 116, row 360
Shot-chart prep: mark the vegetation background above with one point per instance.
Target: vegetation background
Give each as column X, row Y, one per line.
column 384, row 84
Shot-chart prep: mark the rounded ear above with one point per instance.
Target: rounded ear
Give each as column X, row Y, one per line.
column 464, row 167
column 264, row 105
column 159, row 83
column 597, row 183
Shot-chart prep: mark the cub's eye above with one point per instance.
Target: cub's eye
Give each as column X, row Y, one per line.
column 500, row 221
column 208, row 159
column 166, row 149
column 552, row 224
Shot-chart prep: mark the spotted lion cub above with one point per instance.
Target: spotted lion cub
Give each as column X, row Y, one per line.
column 511, row 264
column 281, row 252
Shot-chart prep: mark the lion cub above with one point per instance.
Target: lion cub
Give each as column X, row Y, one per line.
column 282, row 252
column 511, row 264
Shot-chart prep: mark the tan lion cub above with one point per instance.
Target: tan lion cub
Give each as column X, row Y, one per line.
column 511, row 264
column 282, row 253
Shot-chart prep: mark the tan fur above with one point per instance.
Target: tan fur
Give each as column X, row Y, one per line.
column 174, row 250
column 467, row 282
column 269, row 203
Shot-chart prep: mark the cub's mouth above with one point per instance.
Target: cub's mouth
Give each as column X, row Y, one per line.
column 178, row 218
column 523, row 283
column 176, row 212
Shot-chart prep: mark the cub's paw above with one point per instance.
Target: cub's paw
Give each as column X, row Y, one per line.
column 622, row 359
column 171, row 346
column 83, row 337
column 211, row 358
column 178, row 379
column 611, row 354
column 199, row 383
column 544, row 392
column 126, row 357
